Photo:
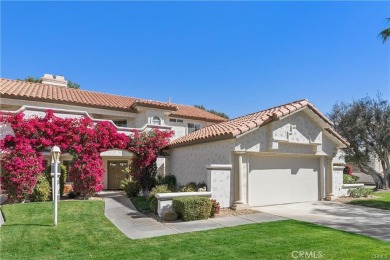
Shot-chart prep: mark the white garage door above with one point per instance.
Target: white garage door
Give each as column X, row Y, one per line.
column 279, row 180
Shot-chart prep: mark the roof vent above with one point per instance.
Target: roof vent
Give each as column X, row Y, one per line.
column 54, row 80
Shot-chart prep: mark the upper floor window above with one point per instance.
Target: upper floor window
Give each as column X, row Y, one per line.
column 120, row 123
column 156, row 120
column 193, row 127
column 174, row 120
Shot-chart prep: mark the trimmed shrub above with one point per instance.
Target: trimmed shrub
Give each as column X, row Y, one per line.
column 152, row 196
column 169, row 180
column 41, row 190
column 192, row 187
column 192, row 208
column 189, row 187
column 170, row 216
column 131, row 188
column 359, row 192
column 63, row 177
column 215, row 208
column 350, row 179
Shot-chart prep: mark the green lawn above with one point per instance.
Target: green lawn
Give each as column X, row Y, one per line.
column 84, row 232
column 382, row 201
column 142, row 204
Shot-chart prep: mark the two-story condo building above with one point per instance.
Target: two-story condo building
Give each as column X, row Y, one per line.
column 126, row 113
column 285, row 154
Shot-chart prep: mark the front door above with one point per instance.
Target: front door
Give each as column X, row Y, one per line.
column 116, row 174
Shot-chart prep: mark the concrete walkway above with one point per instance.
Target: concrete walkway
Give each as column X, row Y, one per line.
column 357, row 219
column 122, row 213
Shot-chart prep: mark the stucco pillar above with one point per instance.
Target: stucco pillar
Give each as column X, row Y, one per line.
column 329, row 191
column 240, row 202
column 322, row 178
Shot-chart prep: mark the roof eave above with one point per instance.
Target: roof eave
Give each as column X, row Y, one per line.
column 201, row 141
column 129, row 109
column 199, row 118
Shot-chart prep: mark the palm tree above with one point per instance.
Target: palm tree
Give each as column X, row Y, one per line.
column 386, row 32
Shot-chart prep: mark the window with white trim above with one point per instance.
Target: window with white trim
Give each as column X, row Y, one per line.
column 192, row 127
column 156, row 120
column 120, row 123
column 174, row 120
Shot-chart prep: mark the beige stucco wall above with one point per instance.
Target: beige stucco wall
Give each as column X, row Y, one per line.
column 189, row 163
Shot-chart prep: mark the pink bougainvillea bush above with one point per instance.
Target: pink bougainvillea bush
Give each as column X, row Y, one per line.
column 20, row 169
column 22, row 159
column 146, row 147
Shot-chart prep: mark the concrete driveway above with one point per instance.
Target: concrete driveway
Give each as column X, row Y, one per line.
column 357, row 219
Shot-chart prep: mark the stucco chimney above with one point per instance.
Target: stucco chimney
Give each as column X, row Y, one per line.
column 54, row 80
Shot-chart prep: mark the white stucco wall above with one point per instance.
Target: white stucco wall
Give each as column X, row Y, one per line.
column 188, row 163
column 134, row 120
column 297, row 128
column 219, row 182
column 338, row 174
column 296, row 134
column 181, row 128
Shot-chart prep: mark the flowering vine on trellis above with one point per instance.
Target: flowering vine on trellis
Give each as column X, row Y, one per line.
column 22, row 158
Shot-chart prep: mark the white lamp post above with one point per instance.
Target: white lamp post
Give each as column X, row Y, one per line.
column 55, row 178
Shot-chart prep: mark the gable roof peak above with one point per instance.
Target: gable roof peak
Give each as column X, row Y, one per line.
column 243, row 124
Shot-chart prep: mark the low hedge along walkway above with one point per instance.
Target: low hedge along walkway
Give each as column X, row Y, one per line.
column 192, row 208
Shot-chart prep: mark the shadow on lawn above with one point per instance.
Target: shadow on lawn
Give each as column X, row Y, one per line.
column 372, row 203
column 41, row 225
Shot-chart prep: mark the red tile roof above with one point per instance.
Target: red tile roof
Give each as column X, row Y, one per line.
column 184, row 111
column 241, row 125
column 18, row 89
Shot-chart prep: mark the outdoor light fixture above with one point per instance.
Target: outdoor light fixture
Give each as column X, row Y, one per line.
column 55, row 178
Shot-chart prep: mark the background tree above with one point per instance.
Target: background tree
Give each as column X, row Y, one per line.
column 221, row 114
column 386, row 32
column 365, row 123
column 70, row 84
column 32, row 79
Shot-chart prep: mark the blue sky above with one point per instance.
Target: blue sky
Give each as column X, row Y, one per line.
column 235, row 57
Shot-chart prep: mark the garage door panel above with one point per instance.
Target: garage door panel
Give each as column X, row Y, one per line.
column 278, row 180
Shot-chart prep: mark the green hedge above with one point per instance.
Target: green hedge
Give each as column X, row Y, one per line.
column 63, row 176
column 350, row 179
column 41, row 190
column 192, row 208
column 360, row 192
column 153, row 202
